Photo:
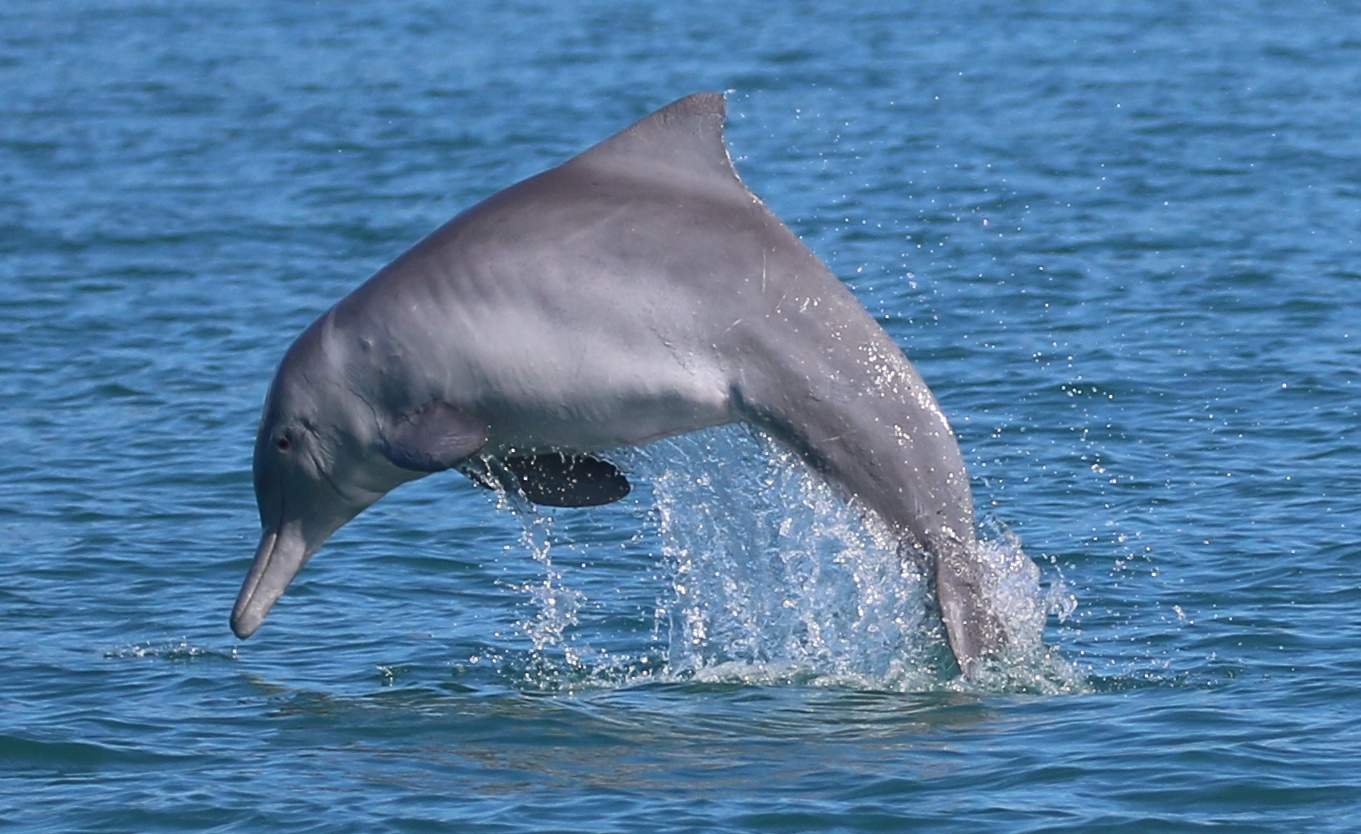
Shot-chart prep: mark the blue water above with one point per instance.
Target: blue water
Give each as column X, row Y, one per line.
column 1120, row 241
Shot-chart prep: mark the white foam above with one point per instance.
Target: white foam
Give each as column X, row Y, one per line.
column 769, row 576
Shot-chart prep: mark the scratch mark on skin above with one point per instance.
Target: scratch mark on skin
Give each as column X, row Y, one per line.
column 350, row 388
column 780, row 303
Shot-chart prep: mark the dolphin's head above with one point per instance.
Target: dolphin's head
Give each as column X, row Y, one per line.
column 314, row 470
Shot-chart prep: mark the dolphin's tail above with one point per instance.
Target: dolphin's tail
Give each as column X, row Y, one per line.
column 971, row 624
column 868, row 423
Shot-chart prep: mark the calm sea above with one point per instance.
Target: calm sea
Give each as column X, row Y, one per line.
column 1120, row 241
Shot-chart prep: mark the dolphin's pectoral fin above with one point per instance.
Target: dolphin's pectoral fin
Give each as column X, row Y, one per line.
column 434, row 438
column 554, row 479
column 567, row 480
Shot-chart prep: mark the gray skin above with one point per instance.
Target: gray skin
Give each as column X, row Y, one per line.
column 637, row 291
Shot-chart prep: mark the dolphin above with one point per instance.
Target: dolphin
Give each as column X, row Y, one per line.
column 637, row 291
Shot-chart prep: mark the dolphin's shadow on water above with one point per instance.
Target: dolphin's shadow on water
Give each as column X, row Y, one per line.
column 636, row 737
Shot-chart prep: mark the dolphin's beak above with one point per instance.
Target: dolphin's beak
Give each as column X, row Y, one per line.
column 278, row 559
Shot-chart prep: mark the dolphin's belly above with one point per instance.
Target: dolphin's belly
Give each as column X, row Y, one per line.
column 623, row 389
column 605, row 418
column 586, row 427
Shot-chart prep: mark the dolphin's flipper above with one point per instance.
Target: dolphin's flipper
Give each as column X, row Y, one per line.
column 433, row 438
column 554, row 479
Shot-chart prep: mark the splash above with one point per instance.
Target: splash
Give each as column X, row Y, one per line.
column 1015, row 589
column 769, row 576
column 776, row 578
column 552, row 603
column 172, row 650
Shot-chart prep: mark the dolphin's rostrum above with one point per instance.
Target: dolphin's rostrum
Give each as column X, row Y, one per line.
column 638, row 290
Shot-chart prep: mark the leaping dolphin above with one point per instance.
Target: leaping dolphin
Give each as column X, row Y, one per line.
column 638, row 290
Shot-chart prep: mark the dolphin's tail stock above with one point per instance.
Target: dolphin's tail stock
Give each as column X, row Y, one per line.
column 889, row 446
column 971, row 624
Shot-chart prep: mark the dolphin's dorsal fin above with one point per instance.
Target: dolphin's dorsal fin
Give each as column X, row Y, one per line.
column 685, row 137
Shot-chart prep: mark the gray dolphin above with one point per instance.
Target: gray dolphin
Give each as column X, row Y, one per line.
column 638, row 290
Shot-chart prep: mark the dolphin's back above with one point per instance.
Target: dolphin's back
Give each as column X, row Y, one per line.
column 649, row 255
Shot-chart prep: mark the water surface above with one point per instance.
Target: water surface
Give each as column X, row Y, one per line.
column 1119, row 241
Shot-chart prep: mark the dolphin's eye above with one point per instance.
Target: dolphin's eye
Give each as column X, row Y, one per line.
column 283, row 444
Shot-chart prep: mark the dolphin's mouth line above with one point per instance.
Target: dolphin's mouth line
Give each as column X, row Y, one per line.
column 264, row 557
column 267, row 549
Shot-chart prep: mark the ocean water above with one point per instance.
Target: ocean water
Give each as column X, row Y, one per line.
column 1119, row 240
